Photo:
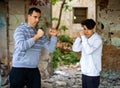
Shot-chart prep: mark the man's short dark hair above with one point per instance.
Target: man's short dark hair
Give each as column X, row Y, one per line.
column 89, row 23
column 33, row 9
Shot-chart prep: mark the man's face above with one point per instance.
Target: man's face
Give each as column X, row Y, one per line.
column 88, row 32
column 34, row 19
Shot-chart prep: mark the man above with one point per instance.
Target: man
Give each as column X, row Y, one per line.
column 90, row 45
column 29, row 41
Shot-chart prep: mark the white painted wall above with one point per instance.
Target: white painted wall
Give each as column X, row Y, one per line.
column 67, row 16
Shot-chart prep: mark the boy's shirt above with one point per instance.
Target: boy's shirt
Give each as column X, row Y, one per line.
column 91, row 50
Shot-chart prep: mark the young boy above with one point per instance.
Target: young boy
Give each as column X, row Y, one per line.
column 90, row 45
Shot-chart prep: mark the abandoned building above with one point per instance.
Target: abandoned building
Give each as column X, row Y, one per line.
column 105, row 12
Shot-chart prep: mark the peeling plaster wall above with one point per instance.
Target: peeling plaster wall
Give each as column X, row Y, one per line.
column 16, row 16
column 3, row 30
column 108, row 14
column 108, row 25
column 67, row 16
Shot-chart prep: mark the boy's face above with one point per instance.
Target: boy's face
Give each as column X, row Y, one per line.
column 88, row 32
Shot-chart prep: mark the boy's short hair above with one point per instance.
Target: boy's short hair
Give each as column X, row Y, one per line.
column 30, row 11
column 89, row 23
